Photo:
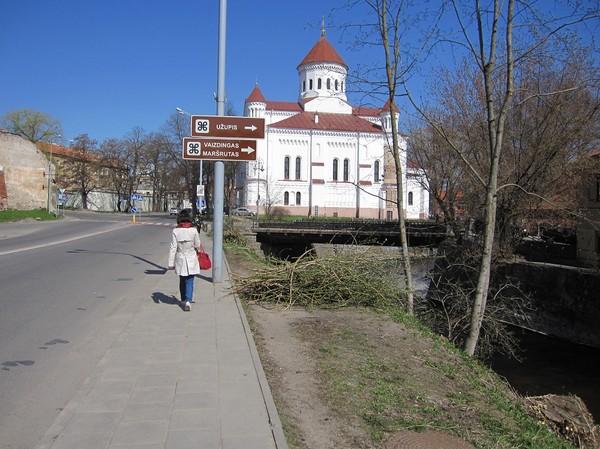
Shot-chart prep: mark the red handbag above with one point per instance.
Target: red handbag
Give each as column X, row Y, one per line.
column 203, row 259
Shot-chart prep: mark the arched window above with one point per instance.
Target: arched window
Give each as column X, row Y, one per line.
column 298, row 198
column 304, row 86
column 336, row 85
column 335, row 169
column 346, row 169
column 310, row 84
column 342, row 86
column 410, row 198
column 328, row 83
column 319, row 84
column 286, row 168
column 298, row 166
column 286, row 198
column 376, row 172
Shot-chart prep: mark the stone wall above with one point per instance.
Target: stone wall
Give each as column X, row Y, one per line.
column 24, row 168
column 560, row 300
column 567, row 300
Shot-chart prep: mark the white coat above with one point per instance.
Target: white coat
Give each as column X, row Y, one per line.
column 185, row 243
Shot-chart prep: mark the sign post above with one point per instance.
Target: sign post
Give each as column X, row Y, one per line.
column 221, row 138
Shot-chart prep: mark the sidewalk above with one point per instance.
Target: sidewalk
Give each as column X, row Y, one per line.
column 175, row 380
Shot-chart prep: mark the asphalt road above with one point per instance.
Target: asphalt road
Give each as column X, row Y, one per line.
column 67, row 290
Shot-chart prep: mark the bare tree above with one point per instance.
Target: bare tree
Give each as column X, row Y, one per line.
column 32, row 125
column 83, row 168
column 135, row 161
column 455, row 282
column 113, row 154
column 389, row 30
column 445, row 176
column 497, row 45
column 185, row 171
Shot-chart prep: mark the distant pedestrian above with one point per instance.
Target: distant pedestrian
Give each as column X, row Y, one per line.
column 185, row 243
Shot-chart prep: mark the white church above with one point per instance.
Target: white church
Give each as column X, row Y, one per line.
column 322, row 157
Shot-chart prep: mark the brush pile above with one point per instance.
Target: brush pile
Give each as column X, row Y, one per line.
column 567, row 416
column 350, row 278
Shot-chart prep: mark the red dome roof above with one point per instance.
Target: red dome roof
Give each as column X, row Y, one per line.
column 256, row 95
column 323, row 52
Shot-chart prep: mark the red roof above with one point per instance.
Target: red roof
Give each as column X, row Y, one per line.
column 283, row 106
column 59, row 150
column 256, row 95
column 328, row 122
column 323, row 52
column 366, row 111
column 386, row 106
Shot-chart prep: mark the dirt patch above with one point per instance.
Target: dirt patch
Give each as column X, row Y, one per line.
column 294, row 378
column 293, row 345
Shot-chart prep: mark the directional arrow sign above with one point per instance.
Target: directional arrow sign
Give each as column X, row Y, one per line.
column 228, row 127
column 219, row 149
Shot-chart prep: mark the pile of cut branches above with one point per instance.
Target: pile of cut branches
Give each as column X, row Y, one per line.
column 359, row 278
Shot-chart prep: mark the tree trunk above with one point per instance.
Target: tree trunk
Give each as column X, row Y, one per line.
column 391, row 64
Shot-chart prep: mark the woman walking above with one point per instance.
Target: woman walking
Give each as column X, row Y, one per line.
column 185, row 243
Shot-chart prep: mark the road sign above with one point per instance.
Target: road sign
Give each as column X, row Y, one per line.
column 137, row 197
column 228, row 127
column 133, row 210
column 219, row 149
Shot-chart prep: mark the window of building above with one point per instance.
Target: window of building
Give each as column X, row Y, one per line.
column 328, row 83
column 336, row 85
column 346, row 169
column 319, row 84
column 335, row 169
column 376, row 172
column 303, row 86
column 286, row 168
column 286, row 198
column 310, row 84
column 298, row 167
column 298, row 198
column 410, row 198
column 342, row 86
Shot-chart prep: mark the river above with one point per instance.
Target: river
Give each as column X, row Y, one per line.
column 553, row 366
column 549, row 365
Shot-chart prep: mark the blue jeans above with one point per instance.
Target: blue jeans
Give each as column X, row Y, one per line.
column 186, row 287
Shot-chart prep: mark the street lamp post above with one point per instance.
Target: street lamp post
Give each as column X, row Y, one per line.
column 50, row 177
column 258, row 166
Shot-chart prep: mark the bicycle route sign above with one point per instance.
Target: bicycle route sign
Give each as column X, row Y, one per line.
column 221, row 138
column 228, row 127
column 219, row 149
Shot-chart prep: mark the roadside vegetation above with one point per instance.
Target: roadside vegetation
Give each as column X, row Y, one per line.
column 380, row 369
column 17, row 215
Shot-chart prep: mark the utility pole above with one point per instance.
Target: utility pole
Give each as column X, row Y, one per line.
column 217, row 275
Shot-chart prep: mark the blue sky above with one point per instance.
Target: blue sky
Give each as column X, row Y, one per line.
column 104, row 67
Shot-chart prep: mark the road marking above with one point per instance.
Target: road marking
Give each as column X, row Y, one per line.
column 58, row 242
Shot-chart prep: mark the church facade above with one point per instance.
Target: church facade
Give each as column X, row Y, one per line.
column 322, row 157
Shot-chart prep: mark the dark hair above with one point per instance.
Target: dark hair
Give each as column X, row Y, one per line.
column 184, row 216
